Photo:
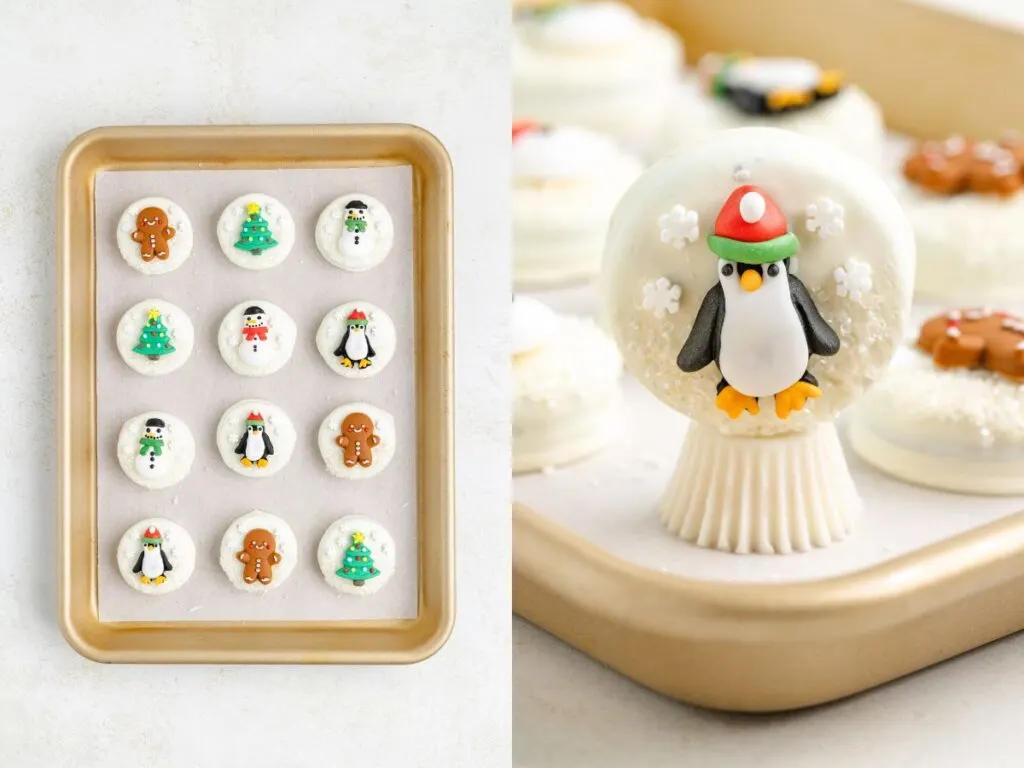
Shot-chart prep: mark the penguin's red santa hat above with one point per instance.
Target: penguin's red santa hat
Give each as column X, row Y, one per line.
column 752, row 229
column 254, row 417
column 152, row 536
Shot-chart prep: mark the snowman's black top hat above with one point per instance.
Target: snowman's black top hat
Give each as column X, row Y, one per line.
column 253, row 310
column 357, row 205
column 154, row 422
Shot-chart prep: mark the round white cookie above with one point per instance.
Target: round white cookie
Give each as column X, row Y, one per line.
column 356, row 340
column 154, row 235
column 155, row 449
column 355, row 232
column 567, row 397
column 356, row 555
column 155, row 337
column 256, row 338
column 855, row 260
column 566, row 182
column 258, row 552
column 255, row 438
column 156, row 556
column 256, row 231
column 598, row 65
column 357, row 440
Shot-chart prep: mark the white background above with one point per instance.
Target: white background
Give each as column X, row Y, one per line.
column 69, row 66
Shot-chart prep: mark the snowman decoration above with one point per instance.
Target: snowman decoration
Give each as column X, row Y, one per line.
column 254, row 348
column 151, row 459
column 358, row 238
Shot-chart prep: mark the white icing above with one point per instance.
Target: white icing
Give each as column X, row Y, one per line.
column 256, row 357
column 179, row 331
column 333, row 454
column 380, row 332
column 679, row 226
column 765, row 74
column 176, row 544
column 335, row 542
column 147, row 469
column 179, row 246
column 792, row 169
column 279, row 222
column 532, row 324
column 585, row 26
column 339, row 245
column 562, row 153
column 277, row 426
column 234, row 538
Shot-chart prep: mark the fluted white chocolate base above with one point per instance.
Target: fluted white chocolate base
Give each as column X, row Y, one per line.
column 767, row 495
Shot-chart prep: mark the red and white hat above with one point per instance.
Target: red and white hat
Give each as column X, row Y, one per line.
column 752, row 229
column 152, row 536
column 254, row 417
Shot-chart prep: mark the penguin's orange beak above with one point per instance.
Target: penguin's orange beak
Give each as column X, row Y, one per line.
column 751, row 280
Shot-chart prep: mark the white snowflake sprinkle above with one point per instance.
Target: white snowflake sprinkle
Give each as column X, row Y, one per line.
column 679, row 226
column 661, row 296
column 853, row 280
column 825, row 217
column 740, row 173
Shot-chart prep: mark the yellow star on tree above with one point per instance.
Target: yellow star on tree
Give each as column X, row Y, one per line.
column 357, row 538
column 154, row 314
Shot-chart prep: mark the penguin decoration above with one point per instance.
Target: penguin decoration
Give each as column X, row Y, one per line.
column 355, row 349
column 152, row 565
column 255, row 447
column 768, row 86
column 758, row 324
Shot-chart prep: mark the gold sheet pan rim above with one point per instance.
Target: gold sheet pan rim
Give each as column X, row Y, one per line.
column 399, row 641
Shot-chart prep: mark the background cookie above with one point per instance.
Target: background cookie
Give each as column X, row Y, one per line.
column 154, row 235
column 256, row 338
column 369, row 440
column 356, row 555
column 356, row 340
column 156, row 556
column 155, row 337
column 271, row 551
column 255, row 438
column 355, row 232
column 155, row 449
column 256, row 231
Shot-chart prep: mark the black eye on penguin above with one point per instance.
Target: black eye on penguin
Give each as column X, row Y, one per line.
column 760, row 331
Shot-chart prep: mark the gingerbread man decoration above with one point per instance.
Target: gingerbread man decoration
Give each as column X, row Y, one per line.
column 959, row 165
column 152, row 234
column 357, row 440
column 976, row 338
column 259, row 556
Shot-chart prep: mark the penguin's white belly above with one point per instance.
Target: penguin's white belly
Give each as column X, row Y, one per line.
column 358, row 243
column 355, row 347
column 152, row 563
column 254, row 448
column 763, row 348
column 255, row 353
column 149, row 464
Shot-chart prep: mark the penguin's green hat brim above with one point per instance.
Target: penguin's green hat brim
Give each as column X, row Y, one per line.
column 151, row 540
column 765, row 252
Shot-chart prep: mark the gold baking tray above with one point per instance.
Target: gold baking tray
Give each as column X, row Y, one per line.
column 255, row 147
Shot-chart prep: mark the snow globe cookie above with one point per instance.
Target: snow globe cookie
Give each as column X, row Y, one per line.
column 567, row 387
column 950, row 412
column 256, row 338
column 154, row 235
column 355, row 232
column 794, row 267
column 256, row 231
column 356, row 555
column 965, row 203
column 597, row 65
column 356, row 340
column 357, row 440
column 255, row 438
column 156, row 556
column 155, row 337
column 797, row 95
column 566, row 182
column 258, row 552
column 155, row 449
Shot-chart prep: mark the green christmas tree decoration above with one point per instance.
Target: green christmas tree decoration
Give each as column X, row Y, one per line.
column 154, row 341
column 255, row 236
column 357, row 562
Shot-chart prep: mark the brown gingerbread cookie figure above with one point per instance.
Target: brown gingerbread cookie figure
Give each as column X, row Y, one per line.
column 259, row 556
column 976, row 338
column 357, row 439
column 152, row 233
column 959, row 165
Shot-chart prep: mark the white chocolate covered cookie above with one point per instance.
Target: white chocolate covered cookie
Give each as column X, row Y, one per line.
column 155, row 337
column 255, row 438
column 154, row 235
column 355, row 232
column 256, row 338
column 156, row 556
column 357, row 340
column 357, row 440
column 155, row 449
column 256, row 231
column 356, row 555
column 258, row 552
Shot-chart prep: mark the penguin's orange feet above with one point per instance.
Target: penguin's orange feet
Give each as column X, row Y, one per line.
column 160, row 579
column 262, row 463
column 734, row 403
column 145, row 580
column 246, row 462
column 794, row 398
column 346, row 362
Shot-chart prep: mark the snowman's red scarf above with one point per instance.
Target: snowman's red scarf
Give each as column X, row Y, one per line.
column 251, row 334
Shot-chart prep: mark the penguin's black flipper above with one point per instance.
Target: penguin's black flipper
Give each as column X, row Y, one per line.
column 240, row 448
column 138, row 563
column 701, row 347
column 821, row 339
column 167, row 563
column 340, row 351
column 268, row 447
column 369, row 348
